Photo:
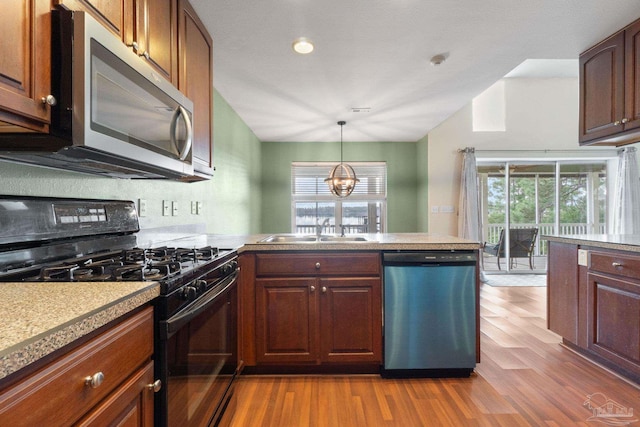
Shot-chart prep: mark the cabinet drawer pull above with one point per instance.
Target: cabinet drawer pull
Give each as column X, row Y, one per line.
column 616, row 264
column 324, row 289
column 312, row 288
column 617, row 123
column 95, row 380
column 317, row 266
column 155, row 386
column 625, row 120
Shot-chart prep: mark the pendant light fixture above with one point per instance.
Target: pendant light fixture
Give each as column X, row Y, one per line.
column 342, row 179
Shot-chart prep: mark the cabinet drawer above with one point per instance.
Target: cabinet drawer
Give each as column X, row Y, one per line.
column 343, row 264
column 59, row 388
column 618, row 264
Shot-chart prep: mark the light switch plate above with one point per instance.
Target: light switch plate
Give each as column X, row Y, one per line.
column 435, row 209
column 165, row 207
column 583, row 257
column 142, row 207
column 199, row 208
column 174, row 208
column 194, row 207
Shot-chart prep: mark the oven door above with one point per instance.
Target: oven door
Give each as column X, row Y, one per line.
column 198, row 358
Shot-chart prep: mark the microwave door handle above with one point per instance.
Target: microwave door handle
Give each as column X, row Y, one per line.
column 180, row 111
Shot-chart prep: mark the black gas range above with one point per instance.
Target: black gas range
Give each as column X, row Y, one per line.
column 80, row 240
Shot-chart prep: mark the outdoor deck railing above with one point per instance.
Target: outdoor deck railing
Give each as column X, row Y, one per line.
column 493, row 232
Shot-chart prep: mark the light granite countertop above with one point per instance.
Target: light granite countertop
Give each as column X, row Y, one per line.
column 376, row 242
column 40, row 318
column 622, row 242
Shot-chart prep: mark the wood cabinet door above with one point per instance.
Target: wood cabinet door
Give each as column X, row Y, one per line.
column 632, row 77
column 195, row 80
column 116, row 15
column 351, row 320
column 602, row 89
column 130, row 405
column 613, row 320
column 155, row 35
column 562, row 290
column 25, row 64
column 286, row 320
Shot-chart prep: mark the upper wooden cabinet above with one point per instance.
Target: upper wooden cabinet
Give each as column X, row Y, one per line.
column 610, row 90
column 149, row 27
column 25, row 66
column 195, row 80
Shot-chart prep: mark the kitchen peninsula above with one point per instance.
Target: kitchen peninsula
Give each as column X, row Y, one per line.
column 594, row 297
column 350, row 268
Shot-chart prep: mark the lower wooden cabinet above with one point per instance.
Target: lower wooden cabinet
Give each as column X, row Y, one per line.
column 562, row 290
column 613, row 309
column 312, row 309
column 105, row 381
column 595, row 305
column 319, row 320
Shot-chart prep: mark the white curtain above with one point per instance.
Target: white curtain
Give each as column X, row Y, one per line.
column 469, row 217
column 626, row 197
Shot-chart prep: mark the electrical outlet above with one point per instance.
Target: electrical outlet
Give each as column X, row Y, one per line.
column 199, row 208
column 583, row 257
column 194, row 207
column 165, row 208
column 435, row 209
column 174, row 208
column 142, row 207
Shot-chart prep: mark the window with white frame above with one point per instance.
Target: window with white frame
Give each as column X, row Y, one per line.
column 312, row 204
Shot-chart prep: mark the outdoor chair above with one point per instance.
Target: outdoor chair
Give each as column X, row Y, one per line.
column 522, row 242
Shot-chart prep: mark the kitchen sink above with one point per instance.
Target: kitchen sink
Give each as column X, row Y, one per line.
column 296, row 238
column 345, row 239
column 289, row 238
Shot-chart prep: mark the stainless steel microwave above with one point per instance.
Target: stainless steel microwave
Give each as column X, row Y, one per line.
column 112, row 114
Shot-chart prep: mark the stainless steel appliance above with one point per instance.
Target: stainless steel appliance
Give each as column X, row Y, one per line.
column 429, row 313
column 44, row 239
column 112, row 114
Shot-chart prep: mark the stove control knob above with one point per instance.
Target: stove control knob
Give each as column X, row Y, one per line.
column 189, row 293
column 201, row 285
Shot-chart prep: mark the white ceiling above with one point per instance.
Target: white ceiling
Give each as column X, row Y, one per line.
column 375, row 53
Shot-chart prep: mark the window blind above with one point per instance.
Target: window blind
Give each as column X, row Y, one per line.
column 307, row 179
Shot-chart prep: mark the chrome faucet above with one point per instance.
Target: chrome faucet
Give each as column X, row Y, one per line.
column 320, row 227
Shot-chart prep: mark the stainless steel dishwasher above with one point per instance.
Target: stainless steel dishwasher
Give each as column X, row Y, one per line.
column 429, row 313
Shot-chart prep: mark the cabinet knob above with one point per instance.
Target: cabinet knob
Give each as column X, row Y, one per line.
column 134, row 45
column 312, row 288
column 317, row 266
column 624, row 120
column 617, row 123
column 49, row 100
column 155, row 386
column 324, row 289
column 616, row 264
column 145, row 54
column 95, row 380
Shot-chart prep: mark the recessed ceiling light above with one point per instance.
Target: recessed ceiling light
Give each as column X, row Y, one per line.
column 302, row 45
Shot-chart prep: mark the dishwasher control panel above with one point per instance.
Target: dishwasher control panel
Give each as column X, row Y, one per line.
column 428, row 257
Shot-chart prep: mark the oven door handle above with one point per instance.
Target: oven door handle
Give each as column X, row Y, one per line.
column 172, row 325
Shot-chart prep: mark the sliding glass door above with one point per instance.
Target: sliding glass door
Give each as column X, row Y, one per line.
column 531, row 199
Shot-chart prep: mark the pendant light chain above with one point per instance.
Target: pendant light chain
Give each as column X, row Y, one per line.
column 342, row 178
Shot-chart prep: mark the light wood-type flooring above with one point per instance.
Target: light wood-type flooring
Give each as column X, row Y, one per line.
column 526, row 378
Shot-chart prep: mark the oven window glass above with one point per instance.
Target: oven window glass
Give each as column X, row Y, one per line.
column 201, row 363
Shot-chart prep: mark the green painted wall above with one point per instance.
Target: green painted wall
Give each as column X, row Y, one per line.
column 422, row 148
column 402, row 178
column 231, row 200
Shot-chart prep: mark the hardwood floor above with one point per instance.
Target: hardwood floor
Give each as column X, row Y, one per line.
column 526, row 378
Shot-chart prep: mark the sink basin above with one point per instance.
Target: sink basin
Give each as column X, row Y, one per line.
column 289, row 238
column 345, row 239
column 296, row 238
